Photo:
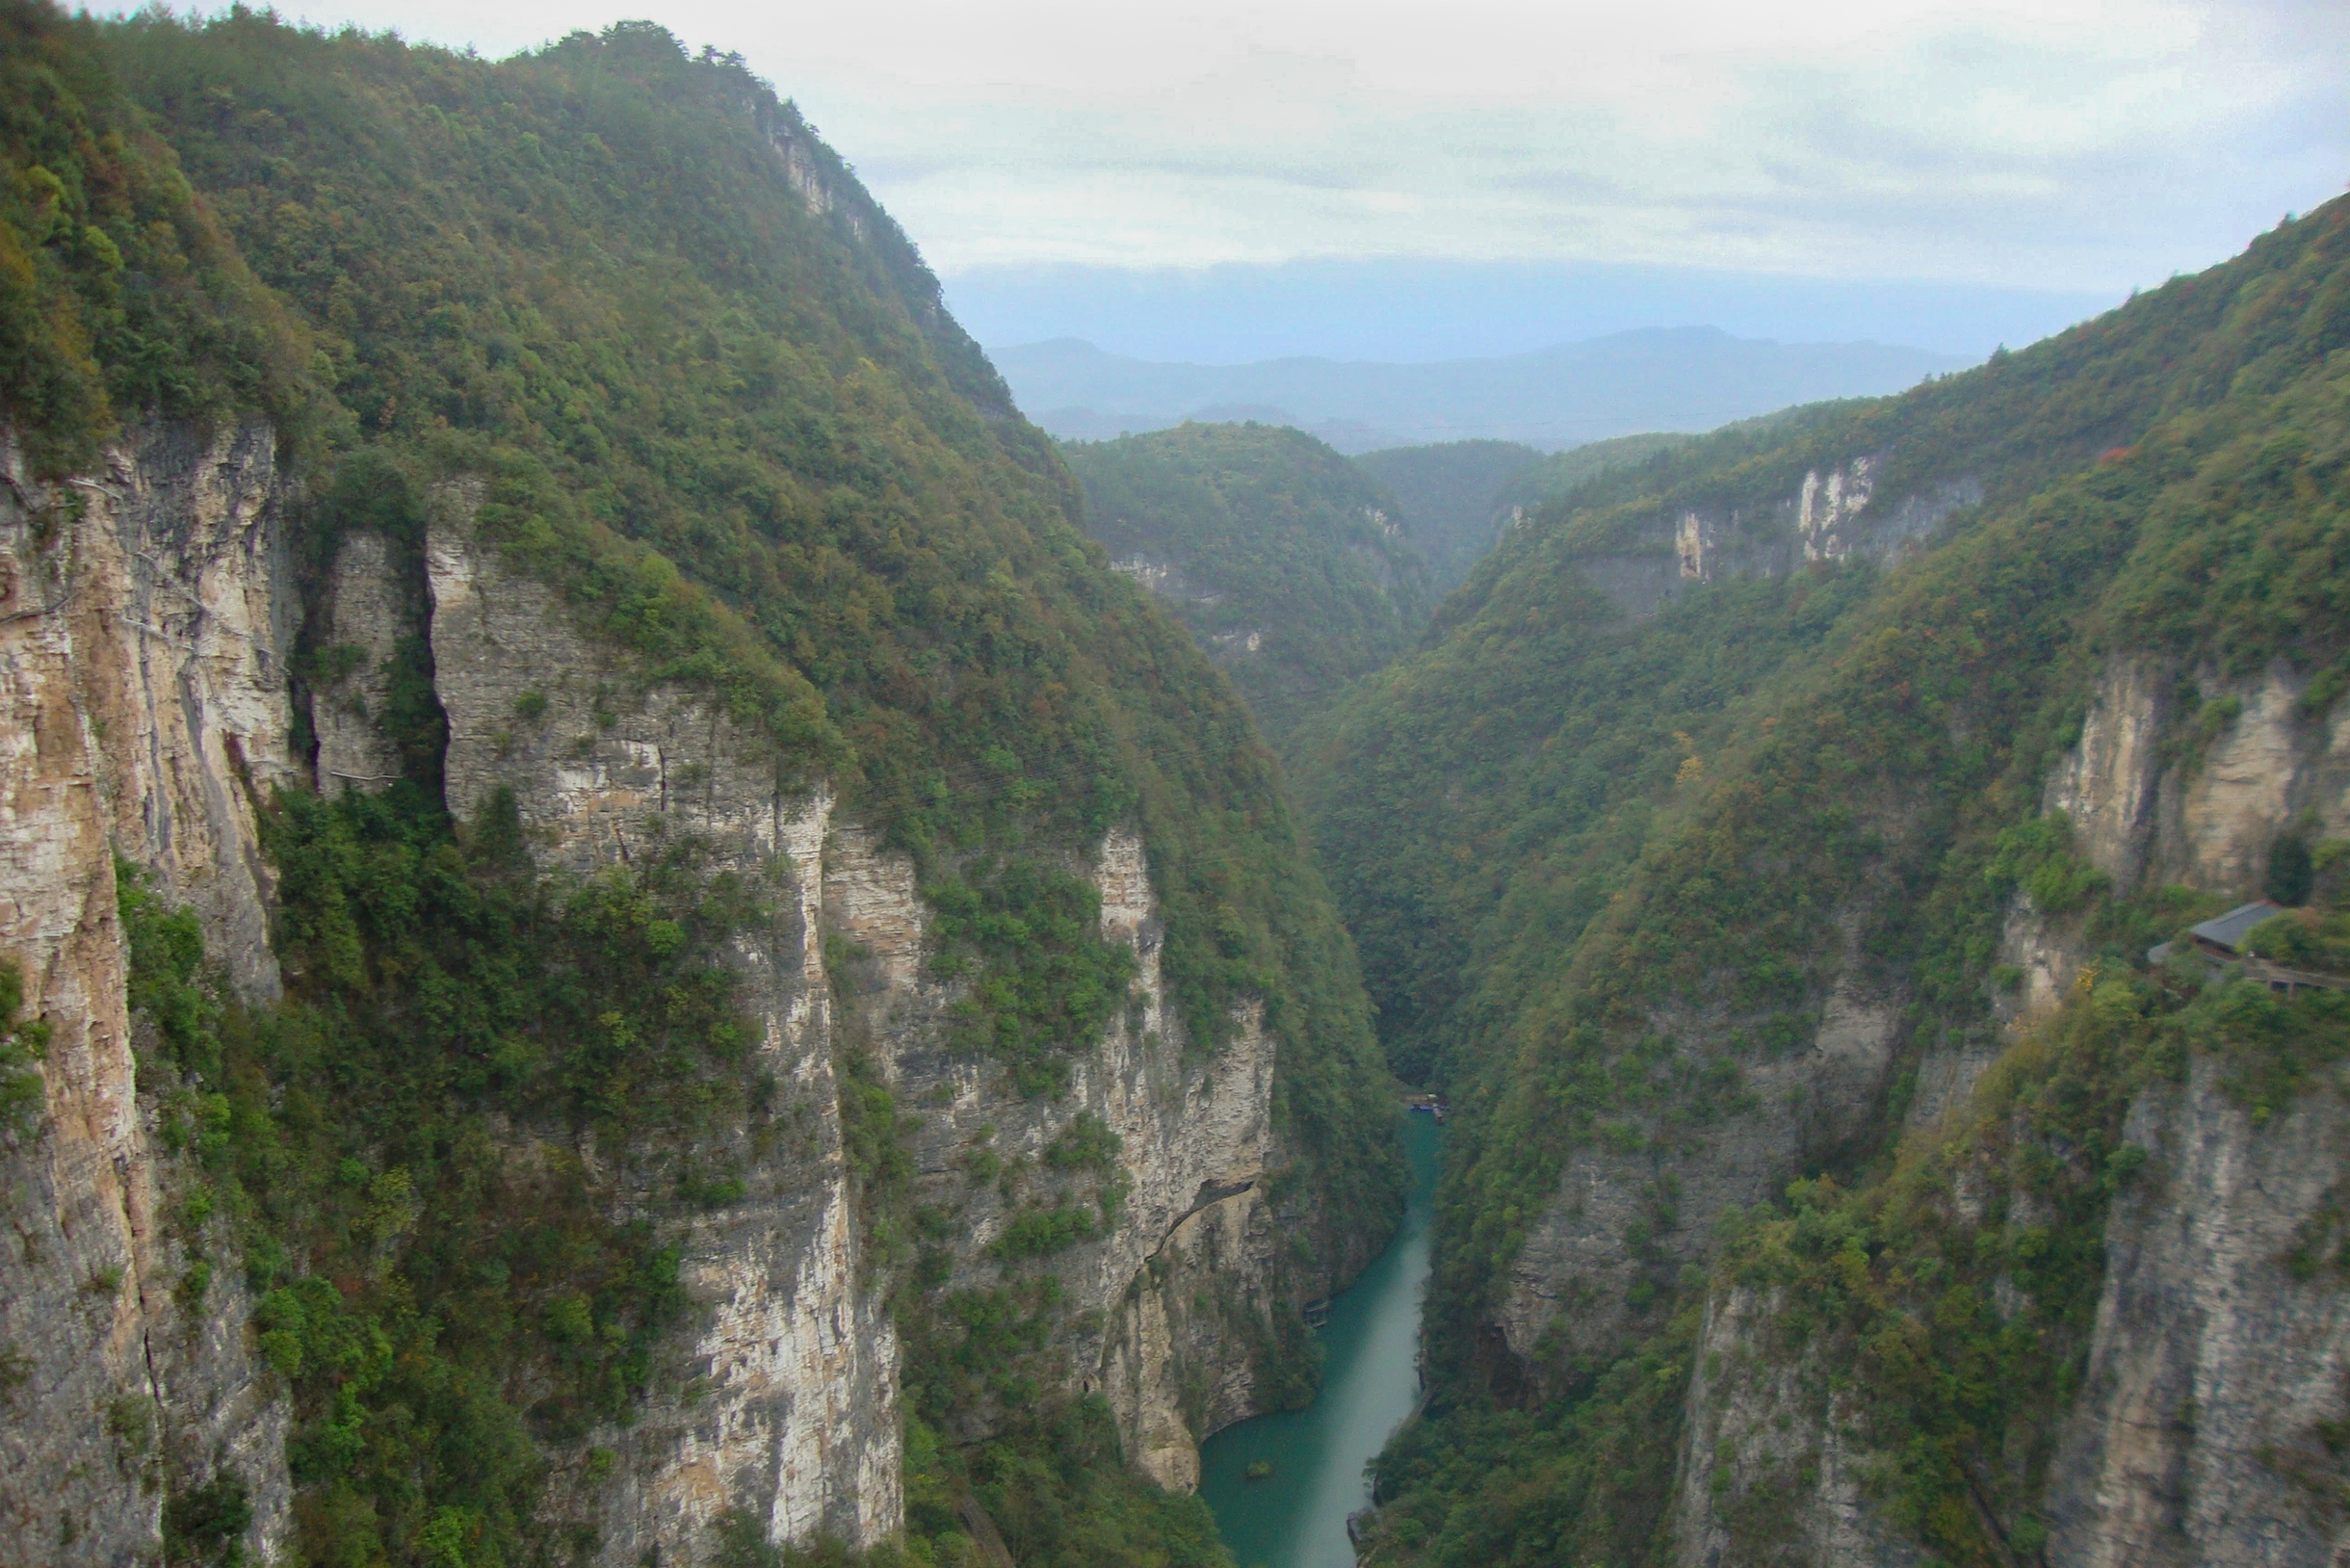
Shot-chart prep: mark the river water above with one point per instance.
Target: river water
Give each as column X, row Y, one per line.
column 1296, row 1517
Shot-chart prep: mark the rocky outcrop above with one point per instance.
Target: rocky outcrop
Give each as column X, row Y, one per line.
column 1834, row 514
column 1632, row 1206
column 1194, row 1142
column 2158, row 794
column 143, row 635
column 1174, row 1362
column 1769, row 1470
column 784, row 1402
column 368, row 610
column 600, row 771
column 2209, row 1430
column 2268, row 768
column 2244, row 766
column 2108, row 783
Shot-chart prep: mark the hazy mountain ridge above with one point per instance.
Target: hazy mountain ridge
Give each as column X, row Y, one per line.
column 1677, row 379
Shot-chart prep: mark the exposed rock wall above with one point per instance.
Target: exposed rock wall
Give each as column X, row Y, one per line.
column 2150, row 808
column 144, row 620
column 785, row 1403
column 2108, row 783
column 1620, row 1216
column 1767, row 1471
column 2201, row 814
column 144, row 636
column 1834, row 514
column 798, row 1372
column 2218, row 1385
column 368, row 610
column 1174, row 1363
column 2208, row 1428
column 1194, row 1140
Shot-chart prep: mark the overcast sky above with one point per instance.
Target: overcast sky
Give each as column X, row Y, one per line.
column 2080, row 145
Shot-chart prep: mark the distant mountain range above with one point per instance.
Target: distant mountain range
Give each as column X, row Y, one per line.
column 1659, row 378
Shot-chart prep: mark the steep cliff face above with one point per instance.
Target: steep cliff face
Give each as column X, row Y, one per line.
column 540, row 1013
column 1622, row 1216
column 2216, row 1366
column 2205, row 1426
column 784, row 1402
column 149, row 644
column 1768, row 1461
column 1631, row 1208
column 143, row 637
column 1828, row 517
column 1194, row 1139
column 2167, row 785
column 2208, row 1427
column 601, row 768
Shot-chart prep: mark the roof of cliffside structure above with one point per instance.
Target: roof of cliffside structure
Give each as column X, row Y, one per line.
column 2229, row 929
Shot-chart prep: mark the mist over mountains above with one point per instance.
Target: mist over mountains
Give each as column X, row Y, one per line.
column 1418, row 309
column 1659, row 379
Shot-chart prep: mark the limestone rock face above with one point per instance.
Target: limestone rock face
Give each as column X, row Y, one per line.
column 785, row 1404
column 367, row 614
column 144, row 624
column 2217, row 1373
column 2204, row 816
column 1766, row 1461
column 794, row 1378
column 147, row 621
column 2205, row 1431
column 1834, row 514
column 1618, row 1217
column 2147, row 816
column 2265, row 768
column 1194, row 1142
column 2109, row 782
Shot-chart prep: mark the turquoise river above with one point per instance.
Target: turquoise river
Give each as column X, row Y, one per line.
column 1296, row 1516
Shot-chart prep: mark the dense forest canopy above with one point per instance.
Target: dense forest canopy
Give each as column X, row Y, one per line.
column 1451, row 496
column 1292, row 567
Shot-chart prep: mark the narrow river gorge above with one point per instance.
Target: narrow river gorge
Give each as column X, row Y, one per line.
column 1296, row 1516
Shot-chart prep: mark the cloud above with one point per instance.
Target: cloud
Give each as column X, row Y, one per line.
column 2074, row 143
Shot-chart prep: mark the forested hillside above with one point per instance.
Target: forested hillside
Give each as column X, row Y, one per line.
column 1456, row 495
column 1748, row 806
column 1550, row 479
column 1451, row 493
column 1294, row 569
column 607, row 323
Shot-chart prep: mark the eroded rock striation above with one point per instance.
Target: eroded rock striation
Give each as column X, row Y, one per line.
column 145, row 630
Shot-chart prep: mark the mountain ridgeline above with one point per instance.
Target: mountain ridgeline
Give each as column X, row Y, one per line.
column 621, row 944
column 1764, row 854
column 1654, row 379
